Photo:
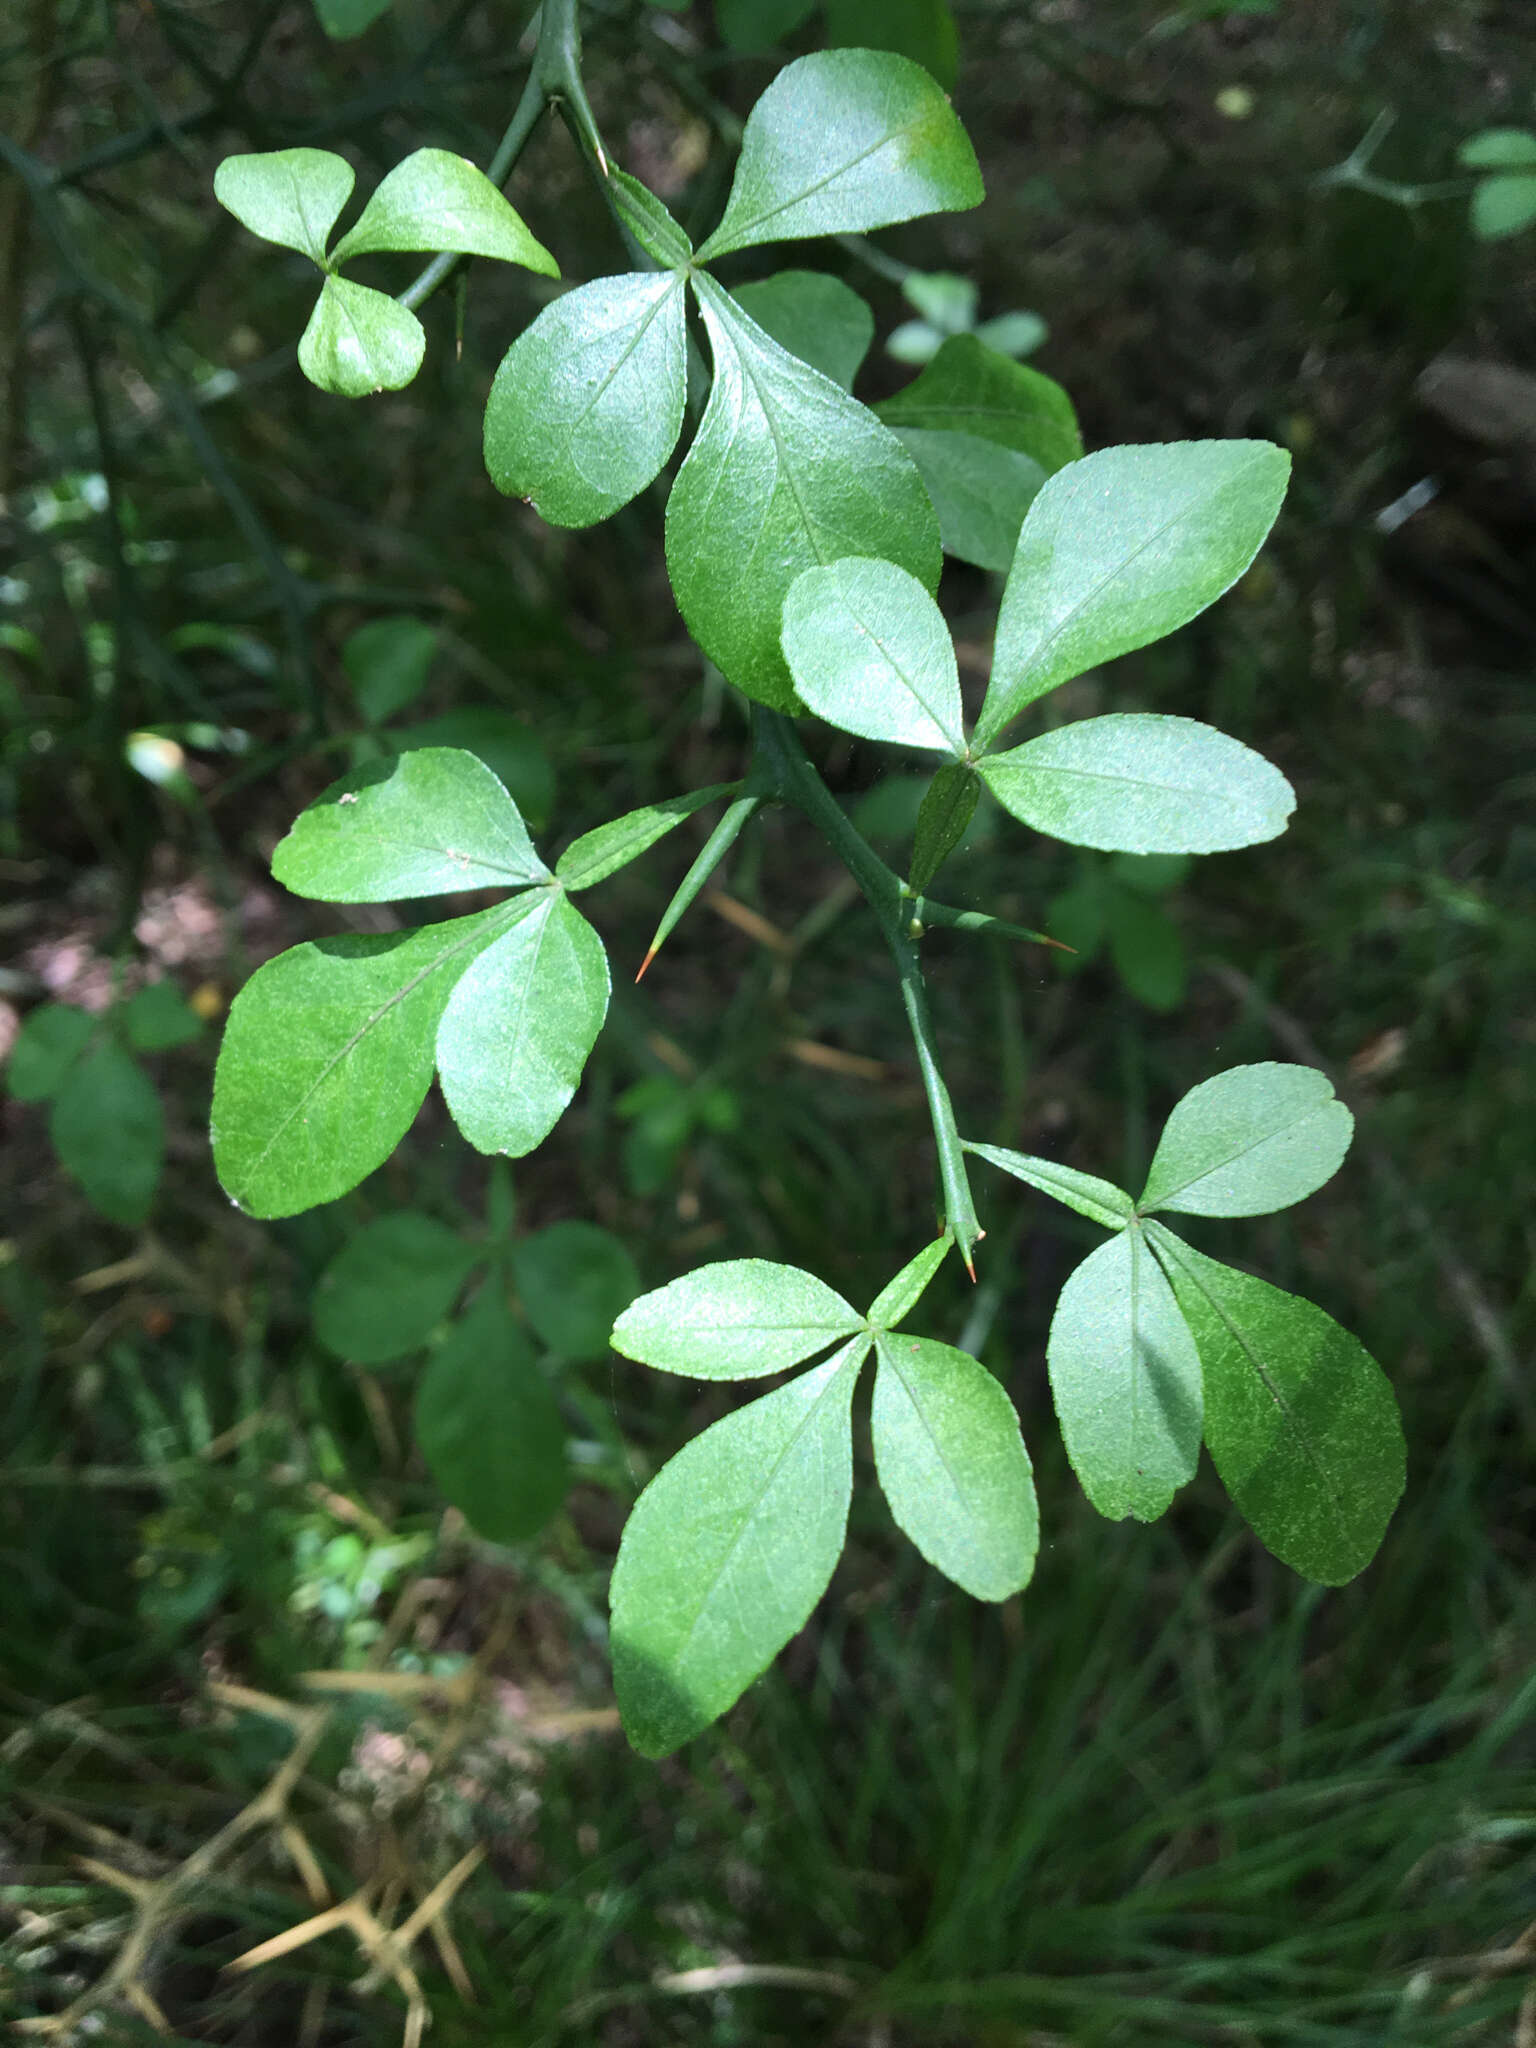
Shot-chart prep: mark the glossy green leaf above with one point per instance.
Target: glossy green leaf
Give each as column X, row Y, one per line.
column 435, row 202
column 971, row 389
column 427, row 823
column 728, row 1550
column 753, row 25
column 842, row 141
column 1138, row 782
column 389, row 1287
column 159, row 1018
column 1099, row 1200
column 814, row 316
column 342, row 20
column 518, row 1028
column 980, row 492
column 47, row 1046
column 923, row 30
column 1146, row 947
column 359, row 341
column 897, row 1299
column 574, row 1281
column 1119, row 550
column 953, row 1466
column 327, row 1057
column 489, row 1427
column 1249, row 1141
column 1499, row 149
column 869, row 651
column 588, row 402
column 1125, row 1378
column 108, row 1130
column 943, row 820
column 1300, row 1420
column 734, row 1320
column 657, row 233
column 1503, row 205
column 787, row 473
column 389, row 661
column 607, row 848
column 510, row 749
column 287, row 196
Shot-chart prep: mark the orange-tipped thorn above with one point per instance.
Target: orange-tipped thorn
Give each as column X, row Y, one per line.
column 650, row 956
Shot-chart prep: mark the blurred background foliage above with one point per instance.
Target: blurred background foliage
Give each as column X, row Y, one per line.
column 251, row 1672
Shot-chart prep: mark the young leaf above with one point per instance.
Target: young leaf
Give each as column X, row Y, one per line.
column 511, row 750
column 574, row 1279
column 870, row 652
column 518, row 1028
column 1099, row 1200
column 437, row 202
column 588, row 402
column 657, row 233
column 389, row 661
column 1249, row 1141
column 327, row 1057
column 1146, row 947
column 735, row 1320
column 359, row 341
column 787, row 473
column 1120, row 549
column 943, row 820
column 108, row 1130
column 897, row 1299
column 287, row 196
column 427, row 823
column 953, row 1466
column 1300, row 1420
column 754, row 25
column 1503, row 205
column 342, row 20
column 607, row 848
column 728, row 1550
column 47, row 1046
column 490, row 1428
column 1499, row 149
column 1140, row 782
column 157, row 1018
column 842, row 141
column 814, row 316
column 1125, row 1378
column 923, row 30
column 981, row 492
column 389, row 1287
column 970, row 389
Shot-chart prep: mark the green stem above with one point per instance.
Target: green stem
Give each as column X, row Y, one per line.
column 779, row 751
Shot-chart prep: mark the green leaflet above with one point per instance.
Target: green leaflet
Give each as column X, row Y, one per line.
column 1099, row 1200
column 953, row 1466
column 427, row 823
column 389, row 1287
column 923, row 30
column 970, row 389
column 869, row 651
column 943, row 819
column 980, row 492
column 759, row 24
column 47, row 1046
column 157, row 1019
column 512, row 752
column 736, row 1319
column 1300, row 1420
column 517, row 1029
column 342, row 20
column 1499, row 149
column 657, row 233
column 436, row 201
column 814, row 316
column 728, row 1550
column 787, row 473
column 389, row 661
column 108, row 1130
column 1119, row 550
column 327, row 1056
column 489, row 1426
column 359, row 341
column 1125, row 1378
column 1138, row 782
column 1249, row 1141
column 573, row 1280
column 843, row 141
column 897, row 1299
column 287, row 196
column 607, row 848
column 1503, row 205
column 588, row 402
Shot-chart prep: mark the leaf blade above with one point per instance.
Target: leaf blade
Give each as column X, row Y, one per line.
column 436, row 202
column 1099, row 1200
column 971, row 389
column 360, row 341
column 735, row 1319
column 109, row 1132
column 287, row 196
column 606, row 848
column 814, row 316
column 869, row 651
column 389, row 1286
column 1248, row 1142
